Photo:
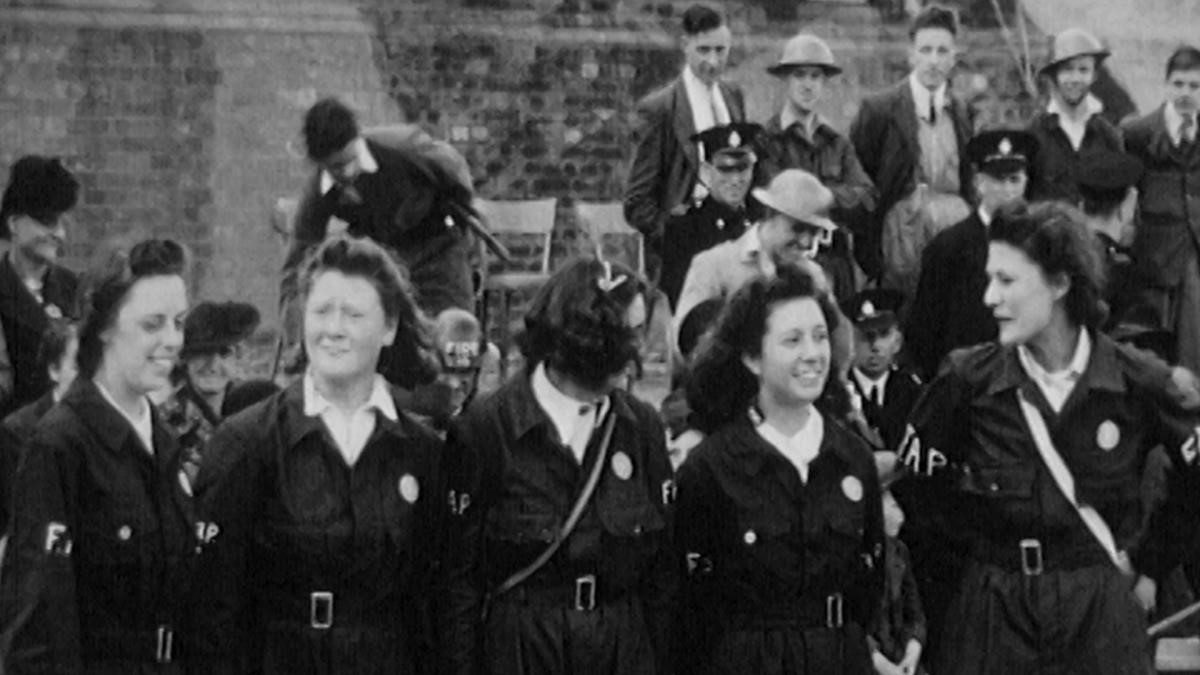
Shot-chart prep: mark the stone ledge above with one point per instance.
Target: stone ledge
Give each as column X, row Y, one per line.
column 298, row 17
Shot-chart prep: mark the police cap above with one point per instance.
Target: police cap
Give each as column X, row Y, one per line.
column 1002, row 151
column 730, row 140
column 874, row 308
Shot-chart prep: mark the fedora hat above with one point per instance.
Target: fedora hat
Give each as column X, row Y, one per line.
column 798, row 195
column 805, row 50
column 1072, row 43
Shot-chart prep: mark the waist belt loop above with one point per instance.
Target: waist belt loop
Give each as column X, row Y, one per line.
column 1031, row 557
column 834, row 617
column 164, row 643
column 320, row 610
column 585, row 593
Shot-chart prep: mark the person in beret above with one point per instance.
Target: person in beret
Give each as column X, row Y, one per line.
column 1168, row 218
column 947, row 310
column 727, row 170
column 1071, row 126
column 1109, row 197
column 34, row 287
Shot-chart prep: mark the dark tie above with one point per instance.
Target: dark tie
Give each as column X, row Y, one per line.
column 1187, row 131
column 932, row 110
column 875, row 396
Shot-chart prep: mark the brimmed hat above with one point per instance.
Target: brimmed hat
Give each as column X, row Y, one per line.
column 212, row 326
column 39, row 187
column 1072, row 43
column 798, row 195
column 1002, row 151
column 805, row 50
column 874, row 308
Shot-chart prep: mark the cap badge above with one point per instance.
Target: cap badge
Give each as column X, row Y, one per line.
column 1005, row 146
column 735, row 141
column 868, row 308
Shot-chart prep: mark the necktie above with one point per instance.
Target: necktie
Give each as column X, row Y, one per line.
column 1187, row 131
column 932, row 110
column 875, row 396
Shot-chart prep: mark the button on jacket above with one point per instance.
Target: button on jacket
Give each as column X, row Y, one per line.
column 103, row 546
column 310, row 566
column 511, row 487
column 766, row 552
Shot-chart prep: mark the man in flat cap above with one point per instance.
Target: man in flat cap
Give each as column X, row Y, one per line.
column 727, row 170
column 1165, row 246
column 1071, row 126
column 911, row 139
column 948, row 310
column 34, row 287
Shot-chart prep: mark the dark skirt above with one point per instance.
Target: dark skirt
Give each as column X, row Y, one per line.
column 788, row 650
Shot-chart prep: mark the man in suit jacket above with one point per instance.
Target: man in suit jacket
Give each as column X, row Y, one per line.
column 663, row 176
column 1071, row 127
column 948, row 311
column 1168, row 233
column 910, row 140
column 34, row 288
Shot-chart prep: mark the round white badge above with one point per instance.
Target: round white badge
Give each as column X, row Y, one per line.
column 124, row 533
column 410, row 489
column 622, row 466
column 750, row 537
column 852, row 488
column 1108, row 435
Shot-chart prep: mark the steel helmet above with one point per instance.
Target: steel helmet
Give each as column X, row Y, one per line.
column 805, row 50
column 1071, row 43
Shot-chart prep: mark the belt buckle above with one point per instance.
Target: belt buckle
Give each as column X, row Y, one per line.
column 834, row 617
column 164, row 644
column 1031, row 557
column 320, row 610
column 585, row 593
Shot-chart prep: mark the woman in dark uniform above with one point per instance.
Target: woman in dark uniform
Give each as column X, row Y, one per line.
column 103, row 539
column 517, row 463
column 779, row 513
column 319, row 502
column 1029, row 454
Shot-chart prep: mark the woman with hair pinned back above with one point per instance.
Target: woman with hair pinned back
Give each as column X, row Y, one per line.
column 319, row 503
column 560, row 491
column 779, row 515
column 1029, row 453
column 103, row 539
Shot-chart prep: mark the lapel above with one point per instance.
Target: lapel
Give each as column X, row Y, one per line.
column 684, row 123
column 1160, row 144
column 905, row 118
column 733, row 102
column 962, row 121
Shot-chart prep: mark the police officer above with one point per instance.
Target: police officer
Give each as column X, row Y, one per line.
column 560, row 491
column 98, row 575
column 1109, row 199
column 727, row 170
column 779, row 517
column 1032, row 449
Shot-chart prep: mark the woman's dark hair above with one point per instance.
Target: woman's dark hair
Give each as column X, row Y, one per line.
column 328, row 127
column 55, row 339
column 577, row 322
column 720, row 388
column 411, row 359
column 1055, row 236
column 108, row 288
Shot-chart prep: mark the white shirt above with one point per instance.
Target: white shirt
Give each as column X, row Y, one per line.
column 350, row 432
column 867, row 385
column 1056, row 387
column 984, row 217
column 142, row 424
column 800, row 448
column 364, row 158
column 922, row 95
column 574, row 420
column 708, row 105
column 1075, row 129
column 1173, row 121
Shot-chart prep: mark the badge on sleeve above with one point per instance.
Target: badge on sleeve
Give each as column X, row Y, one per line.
column 410, row 489
column 58, row 540
column 458, row 502
column 207, row 532
column 853, row 488
column 668, row 492
column 750, row 537
column 622, row 465
column 1108, row 435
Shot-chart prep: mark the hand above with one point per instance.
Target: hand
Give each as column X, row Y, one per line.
column 1184, row 387
column 883, row 666
column 1146, row 592
column 912, row 658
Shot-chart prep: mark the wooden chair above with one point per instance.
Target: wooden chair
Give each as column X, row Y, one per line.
column 605, row 222
column 528, row 219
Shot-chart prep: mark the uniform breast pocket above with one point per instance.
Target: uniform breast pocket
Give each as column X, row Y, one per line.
column 632, row 520
column 765, row 535
column 516, row 527
column 1001, row 483
column 117, row 535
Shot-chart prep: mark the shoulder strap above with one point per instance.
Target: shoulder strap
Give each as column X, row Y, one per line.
column 1066, row 484
column 572, row 520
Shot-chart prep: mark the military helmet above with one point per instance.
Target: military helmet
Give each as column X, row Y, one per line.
column 805, row 50
column 1071, row 43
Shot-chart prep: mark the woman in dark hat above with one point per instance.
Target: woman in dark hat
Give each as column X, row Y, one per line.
column 103, row 536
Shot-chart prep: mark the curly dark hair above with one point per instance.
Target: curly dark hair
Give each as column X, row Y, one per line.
column 720, row 388
column 328, row 126
column 1055, row 236
column 107, row 289
column 411, row 359
column 578, row 327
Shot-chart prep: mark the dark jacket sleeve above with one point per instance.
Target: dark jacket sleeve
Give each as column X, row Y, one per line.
column 647, row 174
column 855, row 195
column 697, row 526
column 924, row 326
column 865, row 136
column 661, row 583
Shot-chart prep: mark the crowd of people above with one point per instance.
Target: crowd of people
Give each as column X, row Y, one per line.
column 933, row 406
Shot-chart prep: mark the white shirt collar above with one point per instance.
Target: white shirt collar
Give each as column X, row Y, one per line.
column 1172, row 119
column 921, row 96
column 380, row 399
column 366, row 163
column 800, row 448
column 1057, row 386
column 706, row 101
column 984, row 216
column 865, row 383
column 142, row 424
column 572, row 419
column 1091, row 106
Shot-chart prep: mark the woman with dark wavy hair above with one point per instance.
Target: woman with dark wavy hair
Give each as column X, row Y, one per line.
column 779, row 515
column 591, row 596
column 103, row 539
column 1028, row 455
column 319, row 503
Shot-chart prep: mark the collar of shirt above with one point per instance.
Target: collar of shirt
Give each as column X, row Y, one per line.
column 865, row 383
column 1090, row 106
column 364, row 158
column 1057, row 386
column 984, row 216
column 380, row 399
column 143, row 424
column 1172, row 119
column 350, row 431
column 703, row 99
column 810, row 124
column 570, row 416
column 800, row 448
column 921, row 96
